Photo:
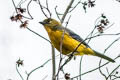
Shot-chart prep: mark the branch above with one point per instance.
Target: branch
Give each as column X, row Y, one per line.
column 38, row 34
column 80, row 67
column 21, row 2
column 57, row 13
column 101, row 58
column 113, row 71
column 42, row 9
column 19, row 73
column 28, row 75
column 66, row 11
column 14, row 6
column 28, row 9
column 111, row 44
column 101, row 70
column 95, row 68
column 53, row 63
column 48, row 8
column 75, row 6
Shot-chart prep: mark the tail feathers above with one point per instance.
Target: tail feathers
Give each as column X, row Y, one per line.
column 103, row 56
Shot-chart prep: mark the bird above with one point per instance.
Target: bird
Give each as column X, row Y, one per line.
column 70, row 40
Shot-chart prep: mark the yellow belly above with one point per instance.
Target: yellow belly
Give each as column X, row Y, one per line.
column 68, row 43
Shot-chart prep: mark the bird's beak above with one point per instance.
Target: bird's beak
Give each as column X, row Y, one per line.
column 43, row 23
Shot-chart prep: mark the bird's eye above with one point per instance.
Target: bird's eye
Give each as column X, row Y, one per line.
column 49, row 20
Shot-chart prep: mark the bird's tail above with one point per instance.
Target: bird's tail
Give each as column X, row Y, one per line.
column 103, row 56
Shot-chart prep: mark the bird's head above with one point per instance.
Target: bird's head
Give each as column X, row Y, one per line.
column 51, row 23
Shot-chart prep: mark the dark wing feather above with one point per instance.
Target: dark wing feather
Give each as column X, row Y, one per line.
column 76, row 37
column 72, row 34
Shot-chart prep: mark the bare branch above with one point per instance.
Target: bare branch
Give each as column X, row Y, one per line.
column 113, row 71
column 21, row 2
column 57, row 13
column 19, row 72
column 66, row 11
column 38, row 35
column 41, row 7
column 95, row 68
column 80, row 67
column 48, row 8
column 14, row 6
column 53, row 63
column 75, row 6
column 28, row 75
column 111, row 44
column 28, row 9
column 101, row 70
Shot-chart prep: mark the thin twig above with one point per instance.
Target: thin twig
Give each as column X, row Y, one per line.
column 19, row 72
column 57, row 13
column 21, row 2
column 108, row 73
column 41, row 7
column 91, row 34
column 116, row 77
column 113, row 71
column 104, row 52
column 28, row 9
column 57, row 75
column 101, row 70
column 75, row 6
column 111, row 44
column 45, row 77
column 53, row 63
column 66, row 11
column 95, row 68
column 48, row 8
column 38, row 35
column 80, row 67
column 14, row 6
column 107, row 70
column 28, row 75
column 112, row 34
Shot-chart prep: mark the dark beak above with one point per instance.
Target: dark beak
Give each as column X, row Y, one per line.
column 43, row 23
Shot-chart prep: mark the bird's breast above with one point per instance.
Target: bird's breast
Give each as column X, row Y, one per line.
column 68, row 43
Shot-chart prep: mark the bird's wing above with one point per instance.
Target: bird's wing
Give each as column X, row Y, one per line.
column 74, row 35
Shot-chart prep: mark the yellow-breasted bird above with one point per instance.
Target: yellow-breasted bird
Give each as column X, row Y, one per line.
column 70, row 40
